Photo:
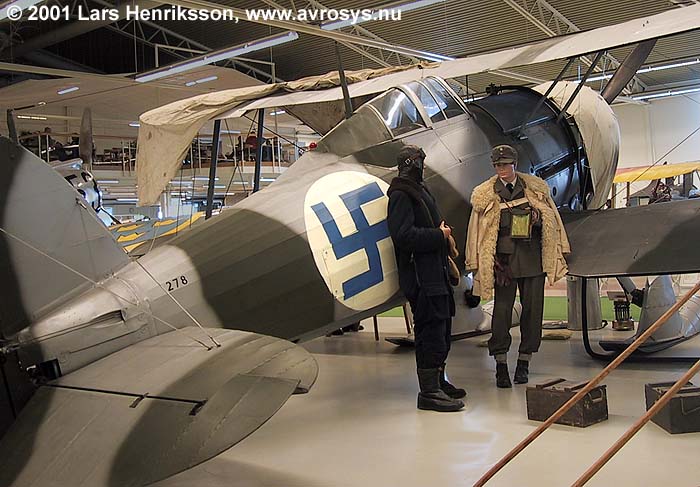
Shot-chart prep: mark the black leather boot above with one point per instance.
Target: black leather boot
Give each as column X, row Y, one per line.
column 502, row 377
column 521, row 371
column 449, row 389
column 431, row 397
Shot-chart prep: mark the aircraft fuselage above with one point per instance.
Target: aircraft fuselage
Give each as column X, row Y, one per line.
column 311, row 252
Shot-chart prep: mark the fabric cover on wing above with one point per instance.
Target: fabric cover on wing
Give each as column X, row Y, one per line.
column 152, row 410
column 639, row 241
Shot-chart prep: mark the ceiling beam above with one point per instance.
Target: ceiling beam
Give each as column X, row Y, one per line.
column 563, row 26
column 413, row 56
column 302, row 28
column 64, row 73
column 74, row 29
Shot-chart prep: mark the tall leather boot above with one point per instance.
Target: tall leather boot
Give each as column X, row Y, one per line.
column 521, row 371
column 431, row 397
column 449, row 389
column 502, row 378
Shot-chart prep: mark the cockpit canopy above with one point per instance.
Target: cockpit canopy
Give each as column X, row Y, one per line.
column 417, row 105
column 394, row 114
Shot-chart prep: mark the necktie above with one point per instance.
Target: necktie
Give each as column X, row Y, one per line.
column 509, row 187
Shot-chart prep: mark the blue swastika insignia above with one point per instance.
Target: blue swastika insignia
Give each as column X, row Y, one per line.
column 365, row 238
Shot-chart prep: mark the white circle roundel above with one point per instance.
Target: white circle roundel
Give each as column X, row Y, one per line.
column 345, row 217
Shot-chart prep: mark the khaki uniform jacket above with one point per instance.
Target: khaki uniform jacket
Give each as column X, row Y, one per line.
column 482, row 233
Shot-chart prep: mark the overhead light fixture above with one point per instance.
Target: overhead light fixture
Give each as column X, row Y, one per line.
column 430, row 56
column 230, row 131
column 219, row 55
column 200, row 81
column 130, row 200
column 267, row 180
column 665, row 94
column 648, row 69
column 669, row 66
column 403, row 7
column 68, row 90
column 203, row 178
column 278, row 112
column 134, row 124
column 107, row 181
column 31, row 117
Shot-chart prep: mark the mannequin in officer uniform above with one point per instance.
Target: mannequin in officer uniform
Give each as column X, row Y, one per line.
column 513, row 209
column 420, row 238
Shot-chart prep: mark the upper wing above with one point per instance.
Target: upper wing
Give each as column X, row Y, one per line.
column 151, row 410
column 165, row 132
column 650, row 173
column 632, row 32
column 639, row 241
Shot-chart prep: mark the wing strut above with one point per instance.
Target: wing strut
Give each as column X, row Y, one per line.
column 580, row 85
column 545, row 96
column 343, row 83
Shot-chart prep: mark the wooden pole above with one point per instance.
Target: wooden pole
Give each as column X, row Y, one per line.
column 585, row 390
column 663, row 400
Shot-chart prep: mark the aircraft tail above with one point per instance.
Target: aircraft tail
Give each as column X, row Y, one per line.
column 52, row 245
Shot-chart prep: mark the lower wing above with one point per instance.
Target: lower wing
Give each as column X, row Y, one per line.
column 660, row 238
column 152, row 410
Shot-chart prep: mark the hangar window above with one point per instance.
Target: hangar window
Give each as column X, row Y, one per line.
column 432, row 107
column 398, row 112
column 448, row 104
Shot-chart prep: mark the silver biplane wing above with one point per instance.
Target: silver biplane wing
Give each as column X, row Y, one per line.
column 165, row 134
column 648, row 240
column 152, row 410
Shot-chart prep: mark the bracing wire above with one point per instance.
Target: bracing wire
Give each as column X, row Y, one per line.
column 88, row 279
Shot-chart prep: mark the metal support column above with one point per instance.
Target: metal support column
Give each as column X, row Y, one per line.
column 258, row 151
column 212, row 168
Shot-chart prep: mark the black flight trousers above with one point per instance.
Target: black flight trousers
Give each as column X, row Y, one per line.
column 432, row 329
column 532, row 299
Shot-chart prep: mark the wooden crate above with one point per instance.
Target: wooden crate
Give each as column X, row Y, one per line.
column 546, row 398
column 682, row 413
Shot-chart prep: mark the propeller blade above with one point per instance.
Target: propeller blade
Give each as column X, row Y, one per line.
column 627, row 70
column 85, row 149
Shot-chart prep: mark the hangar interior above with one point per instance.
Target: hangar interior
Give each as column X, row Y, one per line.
column 358, row 425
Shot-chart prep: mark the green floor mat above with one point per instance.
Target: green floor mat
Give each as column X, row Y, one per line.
column 555, row 309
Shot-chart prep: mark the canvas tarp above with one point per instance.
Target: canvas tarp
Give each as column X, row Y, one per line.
column 165, row 133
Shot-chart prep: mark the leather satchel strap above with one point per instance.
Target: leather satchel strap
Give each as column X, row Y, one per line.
column 512, row 204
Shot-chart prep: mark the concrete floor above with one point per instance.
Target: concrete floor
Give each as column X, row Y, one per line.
column 359, row 425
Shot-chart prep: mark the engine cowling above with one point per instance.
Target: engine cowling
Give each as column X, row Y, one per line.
column 599, row 130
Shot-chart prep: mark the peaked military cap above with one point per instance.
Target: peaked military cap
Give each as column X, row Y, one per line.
column 504, row 154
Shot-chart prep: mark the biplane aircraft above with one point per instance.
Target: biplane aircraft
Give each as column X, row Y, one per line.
column 120, row 372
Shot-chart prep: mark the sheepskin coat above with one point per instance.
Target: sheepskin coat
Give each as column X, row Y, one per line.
column 482, row 234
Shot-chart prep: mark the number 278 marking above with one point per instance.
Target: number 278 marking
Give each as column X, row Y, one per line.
column 176, row 283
